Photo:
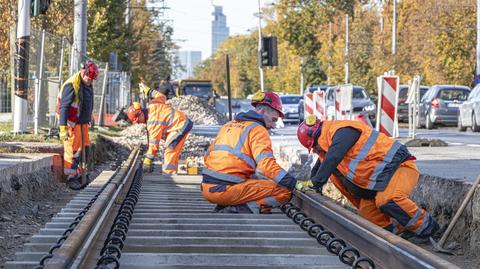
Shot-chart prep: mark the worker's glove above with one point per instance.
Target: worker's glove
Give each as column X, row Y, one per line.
column 63, row 132
column 144, row 88
column 304, row 185
column 147, row 165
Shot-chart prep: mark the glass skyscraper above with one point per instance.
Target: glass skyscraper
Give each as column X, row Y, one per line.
column 220, row 30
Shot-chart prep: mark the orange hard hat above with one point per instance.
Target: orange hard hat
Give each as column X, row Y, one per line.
column 135, row 113
column 307, row 130
column 270, row 99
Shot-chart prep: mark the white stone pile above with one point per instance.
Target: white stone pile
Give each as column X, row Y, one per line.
column 196, row 109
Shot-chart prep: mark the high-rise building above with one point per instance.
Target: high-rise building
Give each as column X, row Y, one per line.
column 220, row 30
column 189, row 60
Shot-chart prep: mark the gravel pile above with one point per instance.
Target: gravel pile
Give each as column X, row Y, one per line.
column 195, row 145
column 197, row 110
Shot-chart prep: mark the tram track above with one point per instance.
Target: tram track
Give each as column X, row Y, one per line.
column 164, row 222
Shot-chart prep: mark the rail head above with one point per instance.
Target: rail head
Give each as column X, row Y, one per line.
column 384, row 248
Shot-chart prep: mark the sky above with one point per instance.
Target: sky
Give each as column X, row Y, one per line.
column 192, row 21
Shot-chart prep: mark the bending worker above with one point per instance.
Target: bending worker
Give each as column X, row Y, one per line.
column 74, row 110
column 241, row 149
column 163, row 123
column 376, row 173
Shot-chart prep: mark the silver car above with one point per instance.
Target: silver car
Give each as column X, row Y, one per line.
column 290, row 107
column 361, row 103
column 440, row 105
column 470, row 111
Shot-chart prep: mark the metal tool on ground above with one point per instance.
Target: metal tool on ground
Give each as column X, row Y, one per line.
column 83, row 165
column 438, row 246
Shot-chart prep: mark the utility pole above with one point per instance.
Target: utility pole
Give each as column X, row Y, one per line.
column 347, row 71
column 21, row 67
column 478, row 38
column 260, row 45
column 79, row 33
column 302, row 82
column 394, row 28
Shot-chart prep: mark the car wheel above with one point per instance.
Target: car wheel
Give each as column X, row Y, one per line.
column 475, row 126
column 428, row 122
column 460, row 127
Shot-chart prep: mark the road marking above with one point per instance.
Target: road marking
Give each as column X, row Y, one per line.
column 473, row 145
column 455, row 144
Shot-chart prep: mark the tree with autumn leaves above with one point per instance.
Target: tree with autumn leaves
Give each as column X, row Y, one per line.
column 143, row 43
column 435, row 39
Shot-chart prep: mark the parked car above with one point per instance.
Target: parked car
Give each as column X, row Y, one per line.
column 310, row 89
column 440, row 105
column 469, row 115
column 290, row 107
column 402, row 97
column 361, row 101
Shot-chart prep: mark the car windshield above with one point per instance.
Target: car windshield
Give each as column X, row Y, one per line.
column 288, row 100
column 359, row 93
column 198, row 90
column 453, row 94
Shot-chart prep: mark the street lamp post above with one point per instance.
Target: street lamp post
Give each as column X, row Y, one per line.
column 260, row 45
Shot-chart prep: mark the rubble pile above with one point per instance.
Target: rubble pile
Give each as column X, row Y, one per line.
column 196, row 109
column 136, row 134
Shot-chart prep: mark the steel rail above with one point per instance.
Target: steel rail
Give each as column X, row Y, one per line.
column 67, row 254
column 384, row 248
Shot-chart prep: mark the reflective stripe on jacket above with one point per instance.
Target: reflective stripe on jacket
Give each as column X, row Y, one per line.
column 166, row 123
column 374, row 158
column 241, row 149
column 73, row 111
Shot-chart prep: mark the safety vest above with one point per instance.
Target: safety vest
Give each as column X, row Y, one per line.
column 241, row 149
column 162, row 121
column 73, row 110
column 372, row 161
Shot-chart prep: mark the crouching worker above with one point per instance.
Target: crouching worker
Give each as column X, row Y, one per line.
column 241, row 149
column 163, row 123
column 374, row 172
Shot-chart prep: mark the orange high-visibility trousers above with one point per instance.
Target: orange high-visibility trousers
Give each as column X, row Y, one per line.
column 171, row 156
column 392, row 208
column 72, row 149
column 259, row 195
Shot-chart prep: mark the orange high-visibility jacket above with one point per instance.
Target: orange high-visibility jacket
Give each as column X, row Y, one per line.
column 241, row 148
column 372, row 160
column 166, row 123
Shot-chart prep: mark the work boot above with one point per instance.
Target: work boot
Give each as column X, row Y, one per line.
column 218, row 208
column 74, row 183
column 236, row 209
column 424, row 238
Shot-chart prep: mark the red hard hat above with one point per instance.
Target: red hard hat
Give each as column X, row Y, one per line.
column 90, row 69
column 268, row 98
column 135, row 113
column 306, row 131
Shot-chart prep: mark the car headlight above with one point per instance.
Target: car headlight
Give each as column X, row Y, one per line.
column 369, row 108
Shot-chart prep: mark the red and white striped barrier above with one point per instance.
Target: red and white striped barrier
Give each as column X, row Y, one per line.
column 320, row 106
column 387, row 118
column 309, row 105
column 343, row 101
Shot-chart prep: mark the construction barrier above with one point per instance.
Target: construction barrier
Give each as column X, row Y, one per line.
column 387, row 118
column 309, row 105
column 320, row 105
column 343, row 102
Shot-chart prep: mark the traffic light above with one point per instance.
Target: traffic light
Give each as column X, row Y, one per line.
column 39, row 7
column 268, row 53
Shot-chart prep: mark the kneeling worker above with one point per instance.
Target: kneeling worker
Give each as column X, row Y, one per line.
column 163, row 123
column 376, row 173
column 241, row 149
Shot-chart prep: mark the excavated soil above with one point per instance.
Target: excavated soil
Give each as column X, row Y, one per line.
column 23, row 214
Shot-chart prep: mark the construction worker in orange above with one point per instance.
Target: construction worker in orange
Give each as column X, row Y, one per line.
column 374, row 172
column 163, row 123
column 74, row 111
column 241, row 174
